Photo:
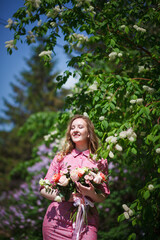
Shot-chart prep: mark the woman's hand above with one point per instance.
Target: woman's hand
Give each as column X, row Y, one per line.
column 90, row 192
column 74, row 195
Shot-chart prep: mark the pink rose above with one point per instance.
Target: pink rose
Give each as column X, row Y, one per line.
column 74, row 175
column 88, row 177
column 63, row 181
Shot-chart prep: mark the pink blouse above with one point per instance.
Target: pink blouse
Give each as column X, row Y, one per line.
column 61, row 211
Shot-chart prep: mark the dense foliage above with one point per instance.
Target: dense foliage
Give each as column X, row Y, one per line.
column 115, row 46
column 34, row 91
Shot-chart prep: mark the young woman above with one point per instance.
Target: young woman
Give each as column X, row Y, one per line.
column 81, row 141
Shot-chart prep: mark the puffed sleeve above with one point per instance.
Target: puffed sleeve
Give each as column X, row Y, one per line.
column 103, row 167
column 53, row 168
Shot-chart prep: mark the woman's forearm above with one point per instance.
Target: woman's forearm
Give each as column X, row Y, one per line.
column 49, row 195
column 98, row 197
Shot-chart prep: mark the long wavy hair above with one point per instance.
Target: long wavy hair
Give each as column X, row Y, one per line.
column 92, row 140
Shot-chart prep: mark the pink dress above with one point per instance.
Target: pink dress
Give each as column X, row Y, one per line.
column 57, row 224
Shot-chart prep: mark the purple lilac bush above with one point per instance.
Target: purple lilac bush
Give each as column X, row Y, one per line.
column 22, row 209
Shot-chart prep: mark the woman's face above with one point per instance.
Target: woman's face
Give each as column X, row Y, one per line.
column 79, row 132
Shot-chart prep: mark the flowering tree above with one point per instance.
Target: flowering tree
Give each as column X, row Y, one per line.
column 116, row 45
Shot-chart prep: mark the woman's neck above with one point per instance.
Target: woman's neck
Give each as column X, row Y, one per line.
column 81, row 148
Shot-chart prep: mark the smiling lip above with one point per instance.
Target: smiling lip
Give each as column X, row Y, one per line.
column 76, row 135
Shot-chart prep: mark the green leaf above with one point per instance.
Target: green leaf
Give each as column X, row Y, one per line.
column 134, row 151
column 112, row 43
column 105, row 124
column 132, row 236
column 121, row 218
column 146, row 195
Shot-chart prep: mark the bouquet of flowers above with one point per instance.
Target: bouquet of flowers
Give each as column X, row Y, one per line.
column 64, row 182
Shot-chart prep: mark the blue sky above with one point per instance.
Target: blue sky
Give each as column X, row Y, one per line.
column 12, row 65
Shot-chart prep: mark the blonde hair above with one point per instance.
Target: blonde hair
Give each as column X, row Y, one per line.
column 92, row 140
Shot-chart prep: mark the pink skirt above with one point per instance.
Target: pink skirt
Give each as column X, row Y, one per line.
column 63, row 231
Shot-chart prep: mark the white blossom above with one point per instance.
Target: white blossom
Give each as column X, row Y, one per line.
column 148, row 89
column 158, row 150
column 118, row 147
column 122, row 26
column 93, row 87
column 94, row 157
column 112, row 56
column 108, row 147
column 101, row 118
column 40, row 22
column 53, row 24
column 31, row 37
column 141, row 69
column 113, row 139
column 58, row 199
column 130, row 212
column 47, row 137
column 125, row 207
column 53, row 132
column 126, row 215
column 78, row 37
column 46, row 53
column 139, row 100
column 132, row 101
column 111, row 155
column 10, row 23
column 131, row 139
column 139, row 29
column 129, row 132
column 10, row 44
column 145, row 87
column 35, row 3
column 120, row 54
column 85, row 114
column 108, row 139
column 123, row 134
column 150, row 187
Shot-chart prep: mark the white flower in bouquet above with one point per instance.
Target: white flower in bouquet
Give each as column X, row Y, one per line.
column 158, row 150
column 97, row 179
column 46, row 181
column 41, row 182
column 63, row 181
column 74, row 175
column 58, row 199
